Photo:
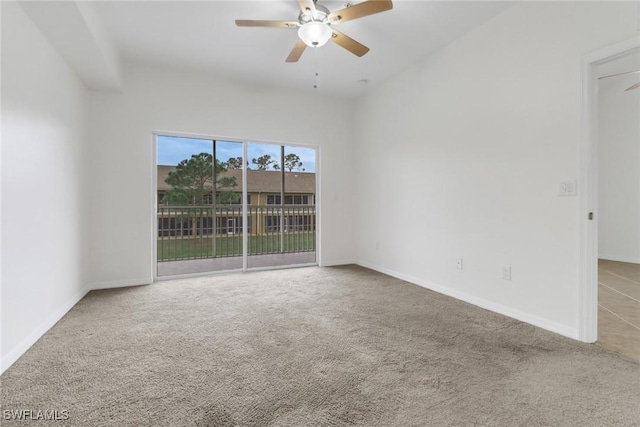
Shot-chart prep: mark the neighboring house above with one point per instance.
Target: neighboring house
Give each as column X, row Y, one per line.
column 263, row 186
column 266, row 210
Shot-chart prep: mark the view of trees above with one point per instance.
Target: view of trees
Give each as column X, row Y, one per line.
column 292, row 162
column 264, row 162
column 234, row 163
column 192, row 181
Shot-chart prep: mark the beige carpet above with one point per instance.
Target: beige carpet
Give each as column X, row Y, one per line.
column 311, row 347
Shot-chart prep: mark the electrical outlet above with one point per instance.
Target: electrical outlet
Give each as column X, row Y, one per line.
column 505, row 272
column 459, row 263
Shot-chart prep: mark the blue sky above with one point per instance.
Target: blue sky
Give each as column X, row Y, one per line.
column 171, row 150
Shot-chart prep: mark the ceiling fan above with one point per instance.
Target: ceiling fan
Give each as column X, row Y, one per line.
column 315, row 25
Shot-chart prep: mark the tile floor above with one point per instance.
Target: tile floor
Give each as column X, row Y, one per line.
column 619, row 307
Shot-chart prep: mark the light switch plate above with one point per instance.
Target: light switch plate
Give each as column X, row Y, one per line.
column 568, row 188
column 505, row 272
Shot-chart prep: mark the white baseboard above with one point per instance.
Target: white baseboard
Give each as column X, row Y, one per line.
column 34, row 336
column 25, row 344
column 497, row 308
column 121, row 283
column 338, row 262
column 619, row 258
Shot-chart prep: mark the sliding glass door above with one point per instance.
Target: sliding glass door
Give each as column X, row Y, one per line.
column 282, row 186
column 227, row 205
column 199, row 206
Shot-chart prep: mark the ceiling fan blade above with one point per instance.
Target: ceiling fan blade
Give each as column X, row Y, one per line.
column 360, row 10
column 252, row 23
column 297, row 51
column 307, row 4
column 348, row 43
column 635, row 86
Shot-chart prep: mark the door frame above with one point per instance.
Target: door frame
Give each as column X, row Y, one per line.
column 588, row 203
column 244, row 141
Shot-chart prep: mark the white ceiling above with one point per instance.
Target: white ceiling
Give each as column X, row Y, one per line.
column 202, row 35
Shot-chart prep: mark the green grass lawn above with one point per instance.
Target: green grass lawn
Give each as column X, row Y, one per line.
column 178, row 248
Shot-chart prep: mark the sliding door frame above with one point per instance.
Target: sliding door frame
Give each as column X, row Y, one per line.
column 245, row 208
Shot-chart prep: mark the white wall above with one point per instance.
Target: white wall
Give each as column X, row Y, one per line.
column 619, row 171
column 462, row 156
column 121, row 157
column 43, row 117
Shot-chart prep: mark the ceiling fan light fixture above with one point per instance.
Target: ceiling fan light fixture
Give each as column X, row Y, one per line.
column 315, row 34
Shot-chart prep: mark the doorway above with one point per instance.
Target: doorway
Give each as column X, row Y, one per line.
column 588, row 193
column 225, row 205
column 618, row 160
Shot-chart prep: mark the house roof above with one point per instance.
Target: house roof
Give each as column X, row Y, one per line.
column 258, row 181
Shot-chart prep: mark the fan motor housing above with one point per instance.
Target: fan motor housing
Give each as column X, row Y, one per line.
column 321, row 15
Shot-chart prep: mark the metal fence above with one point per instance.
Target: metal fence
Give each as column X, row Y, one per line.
column 197, row 232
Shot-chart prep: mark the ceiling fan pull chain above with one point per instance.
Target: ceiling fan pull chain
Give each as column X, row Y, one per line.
column 315, row 68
